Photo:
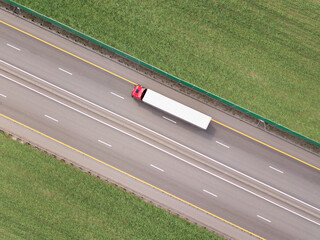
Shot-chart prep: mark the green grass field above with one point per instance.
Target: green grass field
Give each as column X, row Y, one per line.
column 263, row 56
column 42, row 198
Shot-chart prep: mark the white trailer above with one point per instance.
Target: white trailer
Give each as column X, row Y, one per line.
column 172, row 107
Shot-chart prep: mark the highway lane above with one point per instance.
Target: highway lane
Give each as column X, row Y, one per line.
column 272, row 170
column 260, row 162
column 156, row 167
column 255, row 162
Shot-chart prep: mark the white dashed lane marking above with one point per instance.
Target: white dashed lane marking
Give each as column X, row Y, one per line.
column 222, row 144
column 53, row 119
column 157, row 168
column 210, row 193
column 104, row 143
column 169, row 119
column 117, row 95
column 13, row 47
column 65, row 71
column 264, row 218
column 276, row 169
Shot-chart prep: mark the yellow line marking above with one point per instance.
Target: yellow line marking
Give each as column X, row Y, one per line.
column 265, row 144
column 39, row 39
column 137, row 84
column 129, row 175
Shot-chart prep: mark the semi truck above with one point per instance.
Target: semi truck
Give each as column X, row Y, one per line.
column 171, row 106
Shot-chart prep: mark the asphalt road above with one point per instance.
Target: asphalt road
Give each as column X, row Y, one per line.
column 219, row 170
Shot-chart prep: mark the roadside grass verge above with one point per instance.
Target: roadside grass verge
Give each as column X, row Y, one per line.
column 263, row 56
column 43, row 198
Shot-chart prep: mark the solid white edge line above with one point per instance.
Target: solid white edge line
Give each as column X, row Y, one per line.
column 222, row 144
column 276, row 169
column 154, row 132
column 51, row 118
column 210, row 193
column 169, row 119
column 3, row 95
column 162, row 150
column 264, row 218
column 65, row 71
column 117, row 95
column 104, row 143
column 13, row 47
column 156, row 167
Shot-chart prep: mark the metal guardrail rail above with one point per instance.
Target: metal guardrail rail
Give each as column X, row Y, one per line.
column 18, row 7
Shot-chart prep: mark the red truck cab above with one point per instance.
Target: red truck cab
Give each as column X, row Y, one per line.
column 138, row 92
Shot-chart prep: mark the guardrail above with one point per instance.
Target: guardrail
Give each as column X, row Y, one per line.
column 19, row 7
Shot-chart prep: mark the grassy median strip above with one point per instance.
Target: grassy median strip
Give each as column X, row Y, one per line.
column 263, row 56
column 43, row 198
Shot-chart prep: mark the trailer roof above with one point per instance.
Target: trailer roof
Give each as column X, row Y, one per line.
column 177, row 109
